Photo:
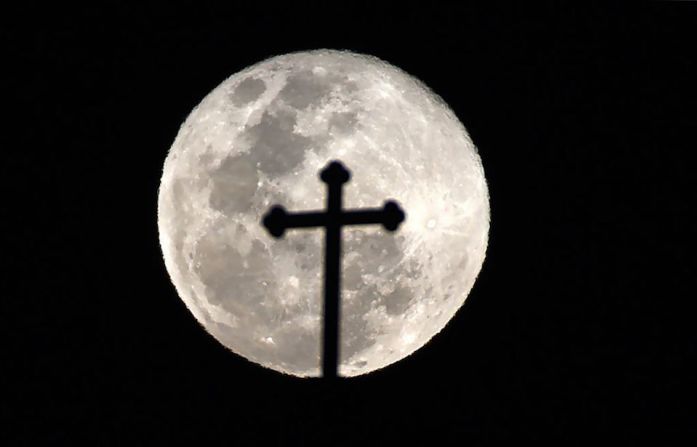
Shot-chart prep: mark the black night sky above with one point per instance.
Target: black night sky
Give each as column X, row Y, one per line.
column 579, row 329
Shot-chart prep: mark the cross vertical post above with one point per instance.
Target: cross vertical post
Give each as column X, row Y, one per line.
column 334, row 176
column 277, row 220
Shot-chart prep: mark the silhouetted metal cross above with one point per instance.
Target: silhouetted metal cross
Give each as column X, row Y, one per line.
column 278, row 220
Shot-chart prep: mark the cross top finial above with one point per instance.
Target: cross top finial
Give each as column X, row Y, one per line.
column 335, row 172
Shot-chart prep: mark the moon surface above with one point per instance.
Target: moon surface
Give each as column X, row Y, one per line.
column 259, row 139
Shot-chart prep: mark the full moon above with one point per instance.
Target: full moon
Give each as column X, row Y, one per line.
column 259, row 139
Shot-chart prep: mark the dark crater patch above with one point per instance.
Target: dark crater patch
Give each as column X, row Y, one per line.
column 305, row 88
column 234, row 184
column 277, row 149
column 343, row 122
column 355, row 335
column 247, row 91
column 297, row 350
column 235, row 282
column 371, row 253
column 397, row 302
column 375, row 252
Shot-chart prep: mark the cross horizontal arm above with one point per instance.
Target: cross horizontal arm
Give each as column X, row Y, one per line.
column 390, row 216
column 278, row 220
column 306, row 219
column 366, row 216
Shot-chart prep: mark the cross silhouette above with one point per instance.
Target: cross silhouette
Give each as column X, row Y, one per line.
column 278, row 220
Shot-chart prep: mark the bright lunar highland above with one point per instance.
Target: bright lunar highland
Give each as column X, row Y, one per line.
column 261, row 138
